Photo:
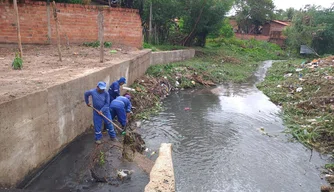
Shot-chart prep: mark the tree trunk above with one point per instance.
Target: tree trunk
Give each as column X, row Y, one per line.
column 48, row 19
column 18, row 27
column 57, row 28
column 187, row 38
column 150, row 25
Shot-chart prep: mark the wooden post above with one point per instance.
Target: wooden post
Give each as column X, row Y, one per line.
column 101, row 34
column 57, row 28
column 18, row 27
column 48, row 19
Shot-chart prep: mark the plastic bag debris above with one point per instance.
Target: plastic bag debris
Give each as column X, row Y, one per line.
column 177, row 83
column 288, row 75
column 129, row 89
column 299, row 89
column 124, row 174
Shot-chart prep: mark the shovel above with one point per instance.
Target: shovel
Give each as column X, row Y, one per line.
column 121, row 130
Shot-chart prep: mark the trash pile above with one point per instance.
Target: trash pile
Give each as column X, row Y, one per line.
column 305, row 91
column 329, row 176
column 190, row 74
column 310, row 92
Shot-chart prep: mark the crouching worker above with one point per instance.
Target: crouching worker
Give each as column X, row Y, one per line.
column 100, row 100
column 114, row 90
column 121, row 107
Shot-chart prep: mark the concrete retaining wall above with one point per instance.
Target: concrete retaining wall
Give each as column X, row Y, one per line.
column 36, row 127
column 165, row 57
column 162, row 174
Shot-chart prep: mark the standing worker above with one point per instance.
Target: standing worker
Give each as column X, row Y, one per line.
column 101, row 103
column 114, row 90
column 121, row 107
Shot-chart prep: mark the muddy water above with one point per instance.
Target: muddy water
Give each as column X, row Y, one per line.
column 218, row 144
column 70, row 171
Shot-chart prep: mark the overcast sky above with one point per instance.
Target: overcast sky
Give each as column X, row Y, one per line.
column 284, row 4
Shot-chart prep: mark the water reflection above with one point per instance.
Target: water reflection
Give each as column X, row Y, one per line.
column 217, row 144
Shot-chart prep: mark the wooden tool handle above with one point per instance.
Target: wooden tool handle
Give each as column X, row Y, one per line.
column 107, row 119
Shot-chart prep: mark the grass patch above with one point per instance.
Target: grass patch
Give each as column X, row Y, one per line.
column 308, row 113
column 220, row 61
column 102, row 159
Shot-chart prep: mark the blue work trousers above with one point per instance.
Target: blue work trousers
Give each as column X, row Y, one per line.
column 98, row 125
column 117, row 109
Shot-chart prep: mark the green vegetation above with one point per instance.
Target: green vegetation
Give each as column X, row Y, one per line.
column 18, row 62
column 221, row 60
column 102, row 159
column 182, row 22
column 312, row 26
column 329, row 166
column 251, row 13
column 96, row 44
column 306, row 97
column 226, row 59
column 162, row 47
column 147, row 104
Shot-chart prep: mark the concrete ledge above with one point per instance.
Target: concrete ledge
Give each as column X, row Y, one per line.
column 35, row 127
column 162, row 174
column 164, row 57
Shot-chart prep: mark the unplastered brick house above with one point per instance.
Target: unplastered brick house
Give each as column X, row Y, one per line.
column 78, row 23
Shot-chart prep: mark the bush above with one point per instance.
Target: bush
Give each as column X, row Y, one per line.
column 18, row 62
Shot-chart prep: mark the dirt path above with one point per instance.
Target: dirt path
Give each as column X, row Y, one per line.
column 41, row 68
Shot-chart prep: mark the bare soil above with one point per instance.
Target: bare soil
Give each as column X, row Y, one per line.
column 42, row 68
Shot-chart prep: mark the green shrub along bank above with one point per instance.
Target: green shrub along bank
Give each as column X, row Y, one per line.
column 222, row 60
column 305, row 91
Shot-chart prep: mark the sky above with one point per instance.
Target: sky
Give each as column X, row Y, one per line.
column 297, row 4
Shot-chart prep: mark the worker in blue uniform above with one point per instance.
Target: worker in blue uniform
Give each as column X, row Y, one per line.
column 114, row 90
column 121, row 107
column 101, row 102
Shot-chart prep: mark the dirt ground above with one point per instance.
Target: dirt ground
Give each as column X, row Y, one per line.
column 42, row 68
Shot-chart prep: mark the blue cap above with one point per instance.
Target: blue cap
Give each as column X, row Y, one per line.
column 122, row 80
column 102, row 85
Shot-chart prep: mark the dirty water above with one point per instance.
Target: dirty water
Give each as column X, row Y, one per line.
column 69, row 171
column 230, row 138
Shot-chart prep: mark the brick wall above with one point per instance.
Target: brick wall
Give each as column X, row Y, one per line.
column 249, row 36
column 78, row 24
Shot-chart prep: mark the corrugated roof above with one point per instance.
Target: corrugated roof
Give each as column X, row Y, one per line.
column 281, row 22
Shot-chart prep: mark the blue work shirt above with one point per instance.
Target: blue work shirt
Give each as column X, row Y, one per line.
column 114, row 90
column 101, row 101
column 127, row 103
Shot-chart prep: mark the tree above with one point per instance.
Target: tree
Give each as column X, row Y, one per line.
column 285, row 15
column 253, row 12
column 164, row 13
column 203, row 17
column 290, row 12
column 312, row 26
